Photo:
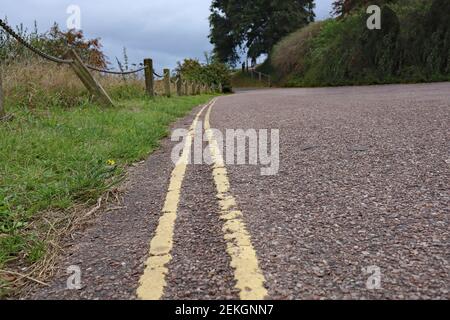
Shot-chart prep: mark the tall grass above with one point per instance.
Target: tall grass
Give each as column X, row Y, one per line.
column 38, row 85
column 289, row 55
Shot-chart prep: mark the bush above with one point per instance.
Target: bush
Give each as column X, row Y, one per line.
column 32, row 83
column 212, row 72
column 413, row 45
column 54, row 42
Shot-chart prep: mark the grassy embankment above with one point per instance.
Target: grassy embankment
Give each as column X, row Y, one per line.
column 62, row 151
column 412, row 46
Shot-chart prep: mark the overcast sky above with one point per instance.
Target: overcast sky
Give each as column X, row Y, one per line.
column 165, row 30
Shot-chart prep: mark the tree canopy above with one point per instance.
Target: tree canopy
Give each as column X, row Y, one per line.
column 254, row 25
column 343, row 7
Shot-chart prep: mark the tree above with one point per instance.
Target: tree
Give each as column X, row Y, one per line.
column 223, row 37
column 255, row 25
column 343, row 7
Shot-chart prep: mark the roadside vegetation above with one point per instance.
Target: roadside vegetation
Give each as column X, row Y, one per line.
column 56, row 158
column 412, row 46
column 212, row 71
column 242, row 79
column 60, row 151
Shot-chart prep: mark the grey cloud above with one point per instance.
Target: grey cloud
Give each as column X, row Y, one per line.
column 165, row 30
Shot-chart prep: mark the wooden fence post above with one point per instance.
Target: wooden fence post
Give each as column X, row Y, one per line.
column 88, row 80
column 167, row 82
column 186, row 88
column 149, row 79
column 179, row 86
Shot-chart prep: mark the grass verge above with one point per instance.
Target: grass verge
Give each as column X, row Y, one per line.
column 53, row 160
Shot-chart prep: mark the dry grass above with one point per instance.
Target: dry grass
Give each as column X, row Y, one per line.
column 39, row 73
column 37, row 84
column 31, row 84
column 57, row 229
column 286, row 55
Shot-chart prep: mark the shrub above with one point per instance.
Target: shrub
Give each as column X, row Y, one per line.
column 413, row 45
column 212, row 72
column 54, row 42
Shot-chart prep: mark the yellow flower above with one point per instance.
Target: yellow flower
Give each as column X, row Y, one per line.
column 111, row 163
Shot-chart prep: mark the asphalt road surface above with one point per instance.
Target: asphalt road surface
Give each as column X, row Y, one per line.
column 359, row 208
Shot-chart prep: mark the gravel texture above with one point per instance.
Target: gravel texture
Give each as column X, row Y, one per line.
column 364, row 181
column 200, row 268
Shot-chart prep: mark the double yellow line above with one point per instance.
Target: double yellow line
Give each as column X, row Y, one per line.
column 248, row 276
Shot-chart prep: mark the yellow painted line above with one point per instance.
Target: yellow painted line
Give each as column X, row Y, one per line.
column 153, row 281
column 249, row 278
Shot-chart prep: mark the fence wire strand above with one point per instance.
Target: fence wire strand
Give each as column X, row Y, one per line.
column 116, row 72
column 44, row 55
column 157, row 75
column 49, row 57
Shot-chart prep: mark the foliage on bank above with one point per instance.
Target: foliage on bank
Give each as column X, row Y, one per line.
column 413, row 45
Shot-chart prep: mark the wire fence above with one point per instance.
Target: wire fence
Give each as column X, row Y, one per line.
column 157, row 75
column 82, row 70
column 115, row 72
column 262, row 77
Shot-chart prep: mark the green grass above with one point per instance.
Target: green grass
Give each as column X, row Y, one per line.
column 53, row 159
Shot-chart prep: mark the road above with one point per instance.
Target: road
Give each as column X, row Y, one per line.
column 359, row 208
